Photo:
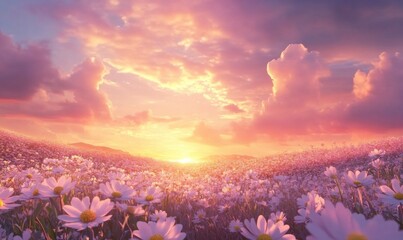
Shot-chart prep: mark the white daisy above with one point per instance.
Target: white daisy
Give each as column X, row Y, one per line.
column 392, row 195
column 82, row 214
column 265, row 230
column 52, row 188
column 160, row 230
column 116, row 190
column 7, row 201
column 338, row 223
column 359, row 179
column 151, row 196
column 235, row 226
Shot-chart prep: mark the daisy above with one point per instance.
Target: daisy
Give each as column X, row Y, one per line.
column 82, row 214
column 377, row 164
column 31, row 174
column 52, row 188
column 199, row 216
column 265, row 230
column 160, row 230
column 331, row 172
column 278, row 216
column 376, row 153
column 159, row 215
column 235, row 226
column 6, row 201
column 116, row 190
column 118, row 176
column 150, row 196
column 338, row 223
column 303, row 216
column 359, row 179
column 392, row 195
column 311, row 201
column 31, row 192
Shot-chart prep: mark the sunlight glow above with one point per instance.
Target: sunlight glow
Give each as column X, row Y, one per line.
column 186, row 160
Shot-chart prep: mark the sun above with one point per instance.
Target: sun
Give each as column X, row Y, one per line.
column 186, row 160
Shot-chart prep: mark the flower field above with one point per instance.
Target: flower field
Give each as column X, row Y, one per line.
column 56, row 192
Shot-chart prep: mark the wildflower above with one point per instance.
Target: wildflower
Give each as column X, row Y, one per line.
column 376, row 153
column 31, row 192
column 235, row 226
column 158, row 215
column 6, row 201
column 118, row 176
column 359, row 179
column 160, row 230
column 223, row 208
column 30, row 174
column 150, row 196
column 82, row 214
column 331, row 172
column 377, row 164
column 265, row 230
column 303, row 216
column 338, row 223
column 199, row 216
column 116, row 190
column 133, row 210
column 52, row 188
column 278, row 216
column 392, row 195
column 311, row 201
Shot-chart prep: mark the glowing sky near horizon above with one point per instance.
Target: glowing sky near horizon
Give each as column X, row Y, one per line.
column 186, row 79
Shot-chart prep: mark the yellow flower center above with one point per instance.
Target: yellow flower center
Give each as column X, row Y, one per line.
column 356, row 236
column 264, row 237
column 88, row 216
column 149, row 198
column 357, row 183
column 398, row 196
column 200, row 215
column 35, row 192
column 116, row 194
column 29, row 176
column 1, row 203
column 237, row 228
column 156, row 237
column 58, row 190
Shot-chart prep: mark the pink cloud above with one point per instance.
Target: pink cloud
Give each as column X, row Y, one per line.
column 144, row 117
column 293, row 106
column 379, row 95
column 28, row 77
column 296, row 76
column 296, row 107
column 205, row 134
column 233, row 108
column 23, row 70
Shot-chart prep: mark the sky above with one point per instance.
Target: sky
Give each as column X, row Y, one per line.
column 187, row 79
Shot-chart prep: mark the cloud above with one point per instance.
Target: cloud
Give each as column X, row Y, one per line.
column 295, row 106
column 31, row 86
column 233, row 108
column 296, row 76
column 23, row 70
column 207, row 135
column 379, row 98
column 144, row 117
column 198, row 46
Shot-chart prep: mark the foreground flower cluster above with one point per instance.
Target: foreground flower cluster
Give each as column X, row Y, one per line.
column 351, row 193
